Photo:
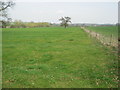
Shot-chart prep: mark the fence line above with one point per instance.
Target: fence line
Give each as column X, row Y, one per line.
column 108, row 41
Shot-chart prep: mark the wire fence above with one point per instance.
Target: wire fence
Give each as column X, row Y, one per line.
column 108, row 41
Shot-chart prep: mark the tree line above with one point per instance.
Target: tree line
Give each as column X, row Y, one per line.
column 20, row 24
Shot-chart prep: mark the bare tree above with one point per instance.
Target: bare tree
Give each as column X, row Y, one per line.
column 4, row 19
column 65, row 21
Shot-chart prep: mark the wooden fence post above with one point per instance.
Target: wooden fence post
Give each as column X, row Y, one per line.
column 111, row 40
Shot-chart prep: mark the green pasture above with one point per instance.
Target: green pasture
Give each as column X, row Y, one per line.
column 56, row 57
column 106, row 30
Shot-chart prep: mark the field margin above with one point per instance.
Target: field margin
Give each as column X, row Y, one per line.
column 104, row 40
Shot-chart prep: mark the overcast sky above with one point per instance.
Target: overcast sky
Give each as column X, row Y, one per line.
column 80, row 12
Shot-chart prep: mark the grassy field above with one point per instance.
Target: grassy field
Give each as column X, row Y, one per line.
column 106, row 30
column 55, row 57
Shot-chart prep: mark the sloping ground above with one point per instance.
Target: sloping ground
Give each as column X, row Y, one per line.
column 56, row 57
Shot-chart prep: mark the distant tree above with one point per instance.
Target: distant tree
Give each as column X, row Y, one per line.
column 4, row 19
column 17, row 24
column 65, row 21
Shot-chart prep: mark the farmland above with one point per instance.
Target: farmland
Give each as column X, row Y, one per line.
column 55, row 57
column 107, row 35
column 105, row 30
